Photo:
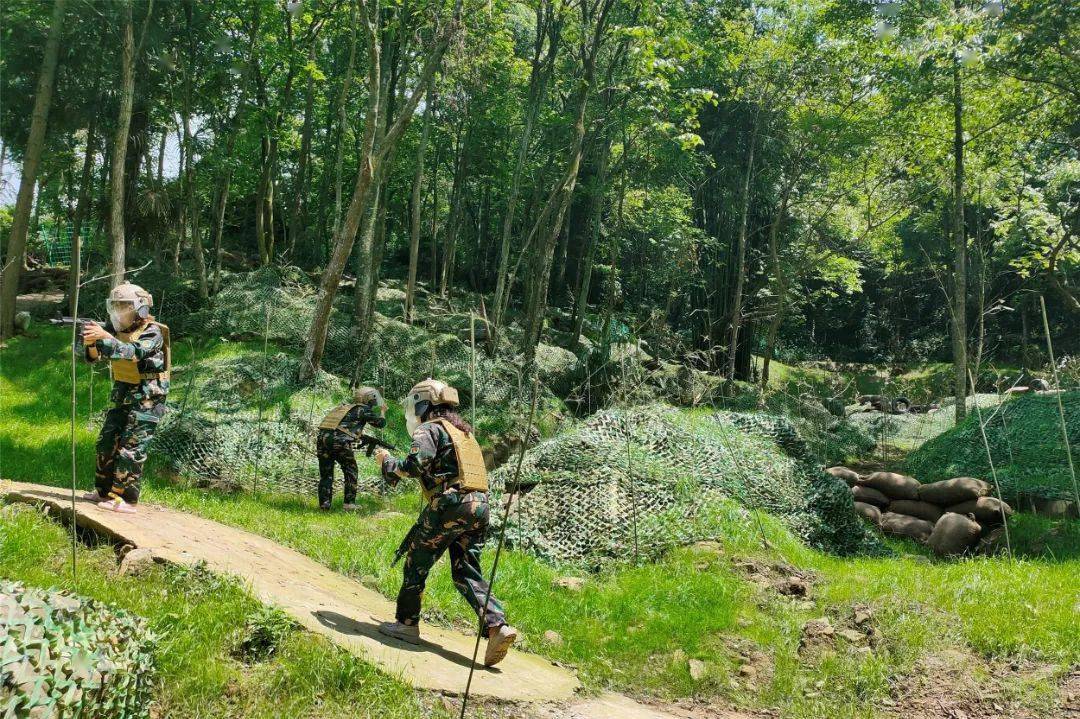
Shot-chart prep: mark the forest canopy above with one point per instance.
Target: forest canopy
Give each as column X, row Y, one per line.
column 864, row 181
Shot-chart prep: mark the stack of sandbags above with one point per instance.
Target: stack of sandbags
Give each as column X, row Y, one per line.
column 950, row 516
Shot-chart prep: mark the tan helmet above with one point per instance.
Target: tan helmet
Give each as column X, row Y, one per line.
column 127, row 304
column 423, row 396
column 368, row 395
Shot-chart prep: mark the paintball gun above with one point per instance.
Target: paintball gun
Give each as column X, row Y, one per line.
column 80, row 326
column 404, row 546
column 369, row 442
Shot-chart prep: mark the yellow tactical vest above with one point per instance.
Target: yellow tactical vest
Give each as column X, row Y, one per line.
column 472, row 473
column 333, row 419
column 127, row 370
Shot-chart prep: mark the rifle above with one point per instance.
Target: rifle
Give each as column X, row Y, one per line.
column 80, row 325
column 404, row 546
column 369, row 442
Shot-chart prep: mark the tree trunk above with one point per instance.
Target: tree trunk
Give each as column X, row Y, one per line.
column 595, row 214
column 339, row 161
column 120, row 142
column 740, row 255
column 369, row 163
column 81, row 208
column 461, row 163
column 537, row 84
column 31, row 162
column 414, row 213
column 161, row 155
column 779, row 283
column 189, row 177
column 959, row 309
column 305, row 151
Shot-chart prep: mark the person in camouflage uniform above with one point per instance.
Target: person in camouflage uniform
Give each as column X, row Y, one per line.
column 335, row 443
column 139, row 361
column 446, row 459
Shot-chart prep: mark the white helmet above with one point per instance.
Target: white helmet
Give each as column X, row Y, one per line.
column 423, row 397
column 127, row 304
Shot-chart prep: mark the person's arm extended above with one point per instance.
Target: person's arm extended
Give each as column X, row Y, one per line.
column 147, row 343
column 421, row 455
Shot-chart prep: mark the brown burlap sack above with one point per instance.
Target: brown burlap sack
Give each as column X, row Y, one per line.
column 954, row 534
column 868, row 495
column 901, row 525
column 915, row 508
column 870, row 512
column 848, row 475
column 893, row 485
column 948, row 492
column 987, row 510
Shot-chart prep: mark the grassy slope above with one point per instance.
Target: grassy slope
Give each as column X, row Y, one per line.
column 631, row 628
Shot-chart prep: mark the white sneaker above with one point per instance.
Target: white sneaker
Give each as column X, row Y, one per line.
column 117, row 505
column 92, row 496
column 499, row 643
column 404, row 632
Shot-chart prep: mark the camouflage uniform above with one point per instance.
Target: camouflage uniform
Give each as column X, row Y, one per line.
column 131, row 422
column 451, row 520
column 336, row 445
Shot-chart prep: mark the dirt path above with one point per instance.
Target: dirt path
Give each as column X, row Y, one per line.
column 339, row 608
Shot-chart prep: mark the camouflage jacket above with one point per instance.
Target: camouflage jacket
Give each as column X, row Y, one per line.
column 149, row 350
column 431, row 458
column 352, row 424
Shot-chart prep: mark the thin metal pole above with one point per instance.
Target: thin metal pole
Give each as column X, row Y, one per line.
column 1061, row 408
column 990, row 459
column 472, row 364
column 262, row 401
column 633, row 492
column 499, row 547
column 74, row 339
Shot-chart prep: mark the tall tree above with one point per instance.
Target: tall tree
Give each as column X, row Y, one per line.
column 31, row 162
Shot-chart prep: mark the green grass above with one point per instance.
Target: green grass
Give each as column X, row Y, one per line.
column 631, row 629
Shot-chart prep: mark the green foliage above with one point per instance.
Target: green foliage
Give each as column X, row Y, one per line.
column 264, row 632
column 68, row 655
column 1026, row 446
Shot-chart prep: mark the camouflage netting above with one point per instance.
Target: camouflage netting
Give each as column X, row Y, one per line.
column 246, row 420
column 643, row 479
column 911, row 430
column 62, row 655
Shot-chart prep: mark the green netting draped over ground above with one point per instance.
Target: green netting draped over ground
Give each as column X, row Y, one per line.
column 643, row 479
column 1026, row 444
column 66, row 656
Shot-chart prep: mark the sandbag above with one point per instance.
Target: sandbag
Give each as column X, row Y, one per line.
column 869, row 495
column 915, row 508
column 987, row 510
column 870, row 512
column 901, row 525
column 948, row 492
column 848, row 475
column 954, row 534
column 893, row 485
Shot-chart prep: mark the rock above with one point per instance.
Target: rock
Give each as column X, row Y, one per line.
column 136, row 562
column 852, row 636
column 22, row 322
column 553, row 638
column 709, row 546
column 893, row 485
column 850, row 476
column 869, row 495
column 697, row 669
column 574, row 584
column 820, row 627
column 793, row 586
column 862, row 614
column 869, row 512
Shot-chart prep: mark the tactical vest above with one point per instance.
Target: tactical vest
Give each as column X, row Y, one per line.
column 334, row 418
column 127, row 370
column 472, row 473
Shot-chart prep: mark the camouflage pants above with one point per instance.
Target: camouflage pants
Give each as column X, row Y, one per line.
column 459, row 523
column 334, row 448
column 121, row 447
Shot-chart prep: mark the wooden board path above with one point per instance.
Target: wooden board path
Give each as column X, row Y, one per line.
column 343, row 610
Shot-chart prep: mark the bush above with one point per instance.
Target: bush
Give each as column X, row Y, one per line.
column 62, row 655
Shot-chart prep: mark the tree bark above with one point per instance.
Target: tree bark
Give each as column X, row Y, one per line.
column 740, row 255
column 369, row 163
column 31, row 163
column 959, row 308
column 415, row 211
column 120, row 142
column 339, row 161
column 81, row 207
column 189, row 176
column 305, row 151
column 596, row 212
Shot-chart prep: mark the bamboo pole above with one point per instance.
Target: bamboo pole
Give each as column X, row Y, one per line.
column 993, row 471
column 1061, row 408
